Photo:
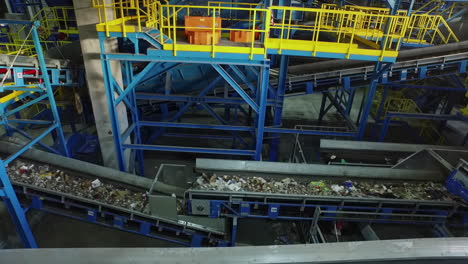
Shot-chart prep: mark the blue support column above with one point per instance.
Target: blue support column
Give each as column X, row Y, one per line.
column 7, row 193
column 48, row 87
column 379, row 69
column 108, row 82
column 262, row 107
column 234, row 232
column 350, row 102
column 278, row 114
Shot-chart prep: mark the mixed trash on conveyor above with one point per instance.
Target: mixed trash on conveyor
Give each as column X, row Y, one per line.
column 46, row 177
column 404, row 190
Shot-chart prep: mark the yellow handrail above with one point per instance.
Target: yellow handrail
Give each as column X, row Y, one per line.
column 51, row 19
column 348, row 26
column 397, row 102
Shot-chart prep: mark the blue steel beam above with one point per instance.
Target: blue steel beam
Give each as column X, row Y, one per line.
column 379, row 70
column 185, row 57
column 278, row 110
column 26, row 105
column 223, row 122
column 441, row 88
column 194, row 126
column 262, row 103
column 134, row 82
column 30, row 144
column 191, row 149
column 309, row 132
column 26, row 135
column 6, row 189
column 388, row 119
column 342, row 111
column 242, row 76
column 183, row 109
column 194, row 99
column 14, row 208
column 48, row 87
column 107, row 74
column 236, row 87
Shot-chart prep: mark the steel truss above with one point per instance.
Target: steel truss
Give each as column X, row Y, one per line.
column 36, row 92
column 256, row 100
column 241, row 97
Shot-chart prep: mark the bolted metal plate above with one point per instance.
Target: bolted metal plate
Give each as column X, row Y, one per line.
column 200, row 207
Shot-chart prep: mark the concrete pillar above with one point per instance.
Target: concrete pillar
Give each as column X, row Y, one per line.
column 87, row 18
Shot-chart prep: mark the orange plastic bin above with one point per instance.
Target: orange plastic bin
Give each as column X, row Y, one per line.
column 241, row 36
column 199, row 30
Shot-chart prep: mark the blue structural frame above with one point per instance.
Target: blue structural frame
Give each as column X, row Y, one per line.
column 41, row 91
column 114, row 217
column 423, row 116
column 242, row 97
column 314, row 209
column 235, row 99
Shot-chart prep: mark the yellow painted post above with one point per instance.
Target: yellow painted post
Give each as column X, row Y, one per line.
column 174, row 21
column 435, row 26
column 283, row 20
column 316, row 27
column 122, row 17
column 289, row 24
column 161, row 22
column 138, row 14
column 253, row 34
column 340, row 19
column 213, row 37
column 356, row 18
column 266, row 37
column 106, row 24
column 317, row 36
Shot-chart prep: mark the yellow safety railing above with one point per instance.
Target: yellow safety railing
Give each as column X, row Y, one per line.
column 397, row 102
column 171, row 26
column 13, row 49
column 232, row 13
column 126, row 14
column 233, row 4
column 52, row 19
column 365, row 9
column 345, row 26
column 429, row 29
column 435, row 7
column 422, row 29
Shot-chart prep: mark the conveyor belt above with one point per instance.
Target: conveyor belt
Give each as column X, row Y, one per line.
column 94, row 211
column 220, row 203
column 403, row 55
column 25, row 61
column 411, row 65
column 180, row 231
column 307, row 207
column 367, row 70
